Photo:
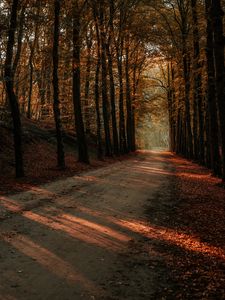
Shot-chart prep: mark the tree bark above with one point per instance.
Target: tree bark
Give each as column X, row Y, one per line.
column 112, row 83
column 218, row 39
column 87, row 84
column 105, row 103
column 55, row 82
column 128, row 99
column 31, row 66
column 210, row 96
column 97, row 106
column 79, row 124
column 14, row 106
column 170, row 107
column 186, row 76
column 119, row 52
column 199, row 126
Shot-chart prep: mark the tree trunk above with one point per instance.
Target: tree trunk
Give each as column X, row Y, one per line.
column 19, row 40
column 128, row 99
column 210, row 97
column 105, row 103
column 186, row 76
column 170, row 107
column 79, row 124
column 134, row 90
column 97, row 107
column 31, row 67
column 14, row 106
column 87, row 84
column 30, row 87
column 55, row 82
column 218, row 38
column 199, row 126
column 122, row 133
column 112, row 83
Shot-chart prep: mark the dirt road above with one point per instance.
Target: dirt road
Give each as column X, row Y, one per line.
column 100, row 235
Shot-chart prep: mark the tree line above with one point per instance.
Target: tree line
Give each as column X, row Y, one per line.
column 82, row 63
column 193, row 46
column 77, row 61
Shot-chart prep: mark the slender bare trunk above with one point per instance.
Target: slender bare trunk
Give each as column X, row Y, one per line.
column 13, row 101
column 79, row 124
column 55, row 82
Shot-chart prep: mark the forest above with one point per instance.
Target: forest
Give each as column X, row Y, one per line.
column 112, row 97
column 85, row 65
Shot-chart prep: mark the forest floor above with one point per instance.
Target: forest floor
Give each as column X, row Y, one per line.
column 150, row 227
column 40, row 164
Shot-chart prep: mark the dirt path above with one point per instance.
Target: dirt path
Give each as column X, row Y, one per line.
column 106, row 234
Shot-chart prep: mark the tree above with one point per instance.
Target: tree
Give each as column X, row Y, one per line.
column 79, row 124
column 97, row 106
column 111, row 77
column 105, row 101
column 32, row 46
column 197, row 89
column 55, row 82
column 215, row 163
column 119, row 44
column 216, row 14
column 9, row 81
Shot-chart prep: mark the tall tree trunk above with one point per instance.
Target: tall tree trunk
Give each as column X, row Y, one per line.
column 199, row 136
column 112, row 83
column 170, row 106
column 30, row 88
column 183, row 8
column 113, row 104
column 79, row 124
column 14, row 106
column 218, row 38
column 122, row 133
column 210, row 97
column 134, row 91
column 128, row 98
column 186, row 76
column 173, row 98
column 19, row 48
column 87, row 84
column 97, row 106
column 119, row 45
column 105, row 102
column 178, row 132
column 31, row 66
column 207, row 139
column 55, row 82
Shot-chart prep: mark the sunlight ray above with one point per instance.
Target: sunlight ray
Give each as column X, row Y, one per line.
column 96, row 227
column 182, row 240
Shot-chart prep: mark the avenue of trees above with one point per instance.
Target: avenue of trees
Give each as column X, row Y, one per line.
column 81, row 62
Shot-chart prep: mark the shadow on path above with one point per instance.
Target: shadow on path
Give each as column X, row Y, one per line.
column 123, row 232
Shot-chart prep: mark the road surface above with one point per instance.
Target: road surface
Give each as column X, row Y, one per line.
column 92, row 236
